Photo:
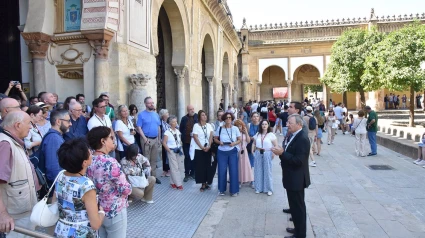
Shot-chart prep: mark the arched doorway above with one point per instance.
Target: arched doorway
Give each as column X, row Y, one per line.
column 207, row 61
column 306, row 77
column 171, row 58
column 225, row 80
column 273, row 77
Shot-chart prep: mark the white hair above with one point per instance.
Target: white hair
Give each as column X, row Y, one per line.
column 162, row 112
column 73, row 104
column 298, row 119
column 13, row 118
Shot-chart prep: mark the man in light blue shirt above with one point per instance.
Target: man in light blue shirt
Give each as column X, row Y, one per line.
column 148, row 126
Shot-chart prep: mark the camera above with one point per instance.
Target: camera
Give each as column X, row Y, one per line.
column 15, row 83
column 131, row 130
column 261, row 151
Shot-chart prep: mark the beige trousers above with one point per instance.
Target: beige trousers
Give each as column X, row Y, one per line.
column 146, row 193
column 360, row 144
column 331, row 134
column 150, row 151
column 176, row 167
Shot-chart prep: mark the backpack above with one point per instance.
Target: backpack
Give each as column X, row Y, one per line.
column 39, row 162
column 312, row 123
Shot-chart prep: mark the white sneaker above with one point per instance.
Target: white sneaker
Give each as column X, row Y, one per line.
column 257, row 192
column 234, row 195
column 417, row 161
column 313, row 163
column 269, row 193
column 423, row 167
column 421, row 163
column 281, row 134
column 329, row 143
column 147, row 201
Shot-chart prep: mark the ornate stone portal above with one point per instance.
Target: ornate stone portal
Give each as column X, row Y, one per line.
column 139, row 92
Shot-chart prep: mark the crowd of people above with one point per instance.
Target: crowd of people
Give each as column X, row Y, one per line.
column 99, row 158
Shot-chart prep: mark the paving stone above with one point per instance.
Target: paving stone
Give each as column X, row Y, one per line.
column 372, row 230
column 394, row 228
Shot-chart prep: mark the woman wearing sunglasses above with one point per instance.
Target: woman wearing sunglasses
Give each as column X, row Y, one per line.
column 228, row 136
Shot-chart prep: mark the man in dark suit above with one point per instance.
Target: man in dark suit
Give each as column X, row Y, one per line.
column 296, row 176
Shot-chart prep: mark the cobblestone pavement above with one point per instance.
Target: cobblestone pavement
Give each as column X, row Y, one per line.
column 346, row 199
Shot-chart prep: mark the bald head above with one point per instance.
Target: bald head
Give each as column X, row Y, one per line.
column 18, row 123
column 190, row 110
column 8, row 105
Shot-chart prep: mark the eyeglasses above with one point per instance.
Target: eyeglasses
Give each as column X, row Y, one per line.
column 78, row 110
column 69, row 120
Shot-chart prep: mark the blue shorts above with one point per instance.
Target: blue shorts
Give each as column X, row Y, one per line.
column 319, row 133
column 421, row 144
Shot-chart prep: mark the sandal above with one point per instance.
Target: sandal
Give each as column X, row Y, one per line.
column 202, row 189
column 208, row 187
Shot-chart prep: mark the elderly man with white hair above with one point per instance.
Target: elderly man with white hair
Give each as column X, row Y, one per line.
column 18, row 183
column 79, row 123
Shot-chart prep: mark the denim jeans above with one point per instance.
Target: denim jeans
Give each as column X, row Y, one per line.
column 284, row 131
column 114, row 227
column 371, row 135
column 228, row 159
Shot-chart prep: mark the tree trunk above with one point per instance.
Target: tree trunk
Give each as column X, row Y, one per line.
column 344, row 98
column 362, row 98
column 412, row 107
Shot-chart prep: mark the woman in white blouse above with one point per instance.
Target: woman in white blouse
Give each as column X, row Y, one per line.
column 34, row 138
column 203, row 136
column 359, row 126
column 173, row 145
column 264, row 141
column 125, row 130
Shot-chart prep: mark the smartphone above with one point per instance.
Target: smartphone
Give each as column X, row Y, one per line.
column 205, row 145
column 15, row 82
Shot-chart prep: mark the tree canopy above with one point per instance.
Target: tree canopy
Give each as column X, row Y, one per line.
column 347, row 66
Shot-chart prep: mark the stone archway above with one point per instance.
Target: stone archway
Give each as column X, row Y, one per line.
column 225, row 74
column 170, row 33
column 237, row 84
column 272, row 77
column 305, row 74
column 207, row 61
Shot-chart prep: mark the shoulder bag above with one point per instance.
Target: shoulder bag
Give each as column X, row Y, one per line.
column 354, row 131
column 138, row 181
column 43, row 214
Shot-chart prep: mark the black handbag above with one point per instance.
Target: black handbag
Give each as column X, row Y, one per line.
column 214, row 146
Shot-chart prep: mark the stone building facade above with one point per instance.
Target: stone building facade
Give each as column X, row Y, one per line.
column 176, row 51
column 293, row 55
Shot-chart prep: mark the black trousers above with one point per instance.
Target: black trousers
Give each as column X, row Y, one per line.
column 298, row 212
column 213, row 170
column 165, row 166
column 203, row 168
column 189, row 165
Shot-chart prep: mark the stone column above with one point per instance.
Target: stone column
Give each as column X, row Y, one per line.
column 180, row 72
column 100, row 40
column 139, row 92
column 245, row 93
column 258, row 91
column 325, row 96
column 235, row 96
column 211, row 111
column 226, row 95
column 38, row 44
column 289, row 82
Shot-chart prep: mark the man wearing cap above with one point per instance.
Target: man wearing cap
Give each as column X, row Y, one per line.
column 372, row 129
column 312, row 134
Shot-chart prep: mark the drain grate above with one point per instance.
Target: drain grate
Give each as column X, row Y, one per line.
column 380, row 167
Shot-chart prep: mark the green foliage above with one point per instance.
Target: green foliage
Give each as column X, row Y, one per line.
column 313, row 88
column 348, row 57
column 395, row 62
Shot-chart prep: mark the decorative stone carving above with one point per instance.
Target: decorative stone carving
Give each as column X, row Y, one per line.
column 38, row 43
column 139, row 92
column 139, row 81
column 99, row 40
column 71, row 71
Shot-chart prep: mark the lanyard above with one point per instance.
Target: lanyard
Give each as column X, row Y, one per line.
column 175, row 138
column 231, row 133
column 101, row 121
column 129, row 124
column 36, row 129
column 262, row 140
column 205, row 130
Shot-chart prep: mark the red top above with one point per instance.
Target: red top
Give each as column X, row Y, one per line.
column 271, row 116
